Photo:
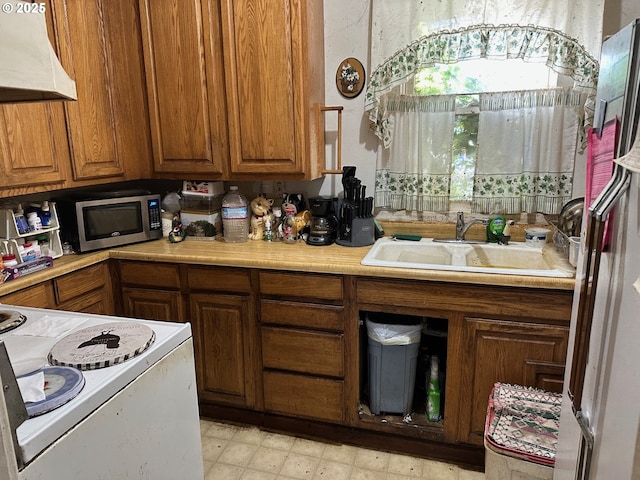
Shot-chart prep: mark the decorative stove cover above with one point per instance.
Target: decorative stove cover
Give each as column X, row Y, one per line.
column 61, row 385
column 102, row 345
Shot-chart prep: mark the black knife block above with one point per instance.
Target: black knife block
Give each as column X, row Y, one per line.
column 361, row 234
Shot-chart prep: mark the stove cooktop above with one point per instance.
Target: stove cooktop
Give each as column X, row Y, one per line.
column 30, row 343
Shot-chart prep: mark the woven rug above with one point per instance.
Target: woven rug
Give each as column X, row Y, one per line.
column 523, row 422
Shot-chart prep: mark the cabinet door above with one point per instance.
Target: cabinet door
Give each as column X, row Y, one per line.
column 34, row 153
column 275, row 74
column 107, row 125
column 502, row 351
column 185, row 84
column 224, row 355
column 153, row 304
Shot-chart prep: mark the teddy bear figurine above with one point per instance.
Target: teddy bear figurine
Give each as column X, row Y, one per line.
column 260, row 210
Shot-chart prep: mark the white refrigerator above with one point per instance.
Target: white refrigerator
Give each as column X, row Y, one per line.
column 600, row 420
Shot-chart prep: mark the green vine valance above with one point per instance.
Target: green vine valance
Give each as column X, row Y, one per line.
column 530, row 43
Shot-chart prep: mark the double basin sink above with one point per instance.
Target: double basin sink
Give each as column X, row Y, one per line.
column 516, row 258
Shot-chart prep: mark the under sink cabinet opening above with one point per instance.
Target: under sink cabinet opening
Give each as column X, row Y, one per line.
column 396, row 357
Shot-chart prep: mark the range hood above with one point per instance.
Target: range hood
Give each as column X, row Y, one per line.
column 29, row 68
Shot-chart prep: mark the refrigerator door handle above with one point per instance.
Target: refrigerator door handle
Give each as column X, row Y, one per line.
column 585, row 453
column 596, row 222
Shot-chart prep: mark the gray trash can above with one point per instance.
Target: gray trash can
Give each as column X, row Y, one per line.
column 393, row 358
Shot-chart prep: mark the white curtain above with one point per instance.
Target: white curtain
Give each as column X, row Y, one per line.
column 414, row 164
column 526, row 149
column 408, row 35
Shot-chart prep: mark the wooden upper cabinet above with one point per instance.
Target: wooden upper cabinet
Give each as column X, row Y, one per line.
column 274, row 69
column 185, row 86
column 34, row 152
column 108, row 125
column 33, row 147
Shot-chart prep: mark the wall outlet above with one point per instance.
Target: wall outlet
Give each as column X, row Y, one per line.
column 278, row 188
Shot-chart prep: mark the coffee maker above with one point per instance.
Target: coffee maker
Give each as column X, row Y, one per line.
column 323, row 226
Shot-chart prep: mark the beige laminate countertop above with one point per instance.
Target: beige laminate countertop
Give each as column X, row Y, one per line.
column 300, row 257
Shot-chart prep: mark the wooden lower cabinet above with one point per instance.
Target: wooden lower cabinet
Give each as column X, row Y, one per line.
column 495, row 334
column 291, row 347
column 36, row 296
column 153, row 304
column 304, row 396
column 151, row 290
column 223, row 348
column 508, row 352
column 87, row 290
column 303, row 345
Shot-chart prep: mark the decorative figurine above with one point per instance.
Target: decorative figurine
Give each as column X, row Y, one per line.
column 261, row 209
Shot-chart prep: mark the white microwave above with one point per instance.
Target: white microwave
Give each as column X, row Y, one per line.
column 110, row 219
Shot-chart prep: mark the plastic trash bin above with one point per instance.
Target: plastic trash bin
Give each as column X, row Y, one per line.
column 393, row 358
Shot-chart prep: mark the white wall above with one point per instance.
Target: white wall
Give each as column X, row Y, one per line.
column 346, row 24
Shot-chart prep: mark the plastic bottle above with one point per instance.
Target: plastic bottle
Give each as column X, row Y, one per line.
column 43, row 243
column 277, row 223
column 433, row 392
column 30, row 252
column 9, row 260
column 45, row 216
column 235, row 217
column 35, row 224
column 21, row 222
column 268, row 229
column 495, row 229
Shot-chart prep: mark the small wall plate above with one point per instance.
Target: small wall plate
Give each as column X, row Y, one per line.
column 350, row 77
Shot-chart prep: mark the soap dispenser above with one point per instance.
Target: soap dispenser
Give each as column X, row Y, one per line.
column 495, row 227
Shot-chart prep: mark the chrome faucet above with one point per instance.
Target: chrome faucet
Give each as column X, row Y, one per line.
column 461, row 227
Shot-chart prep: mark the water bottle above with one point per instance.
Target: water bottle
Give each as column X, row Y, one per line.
column 235, row 217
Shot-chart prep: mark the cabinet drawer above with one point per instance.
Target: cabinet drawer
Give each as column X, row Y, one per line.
column 38, row 296
column 319, row 398
column 217, row 279
column 309, row 286
column 303, row 351
column 150, row 274
column 79, row 283
column 93, row 302
column 325, row 317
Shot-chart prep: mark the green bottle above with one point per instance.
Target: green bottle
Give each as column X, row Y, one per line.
column 495, row 229
column 433, row 392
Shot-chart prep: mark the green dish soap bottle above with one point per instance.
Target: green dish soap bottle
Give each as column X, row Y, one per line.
column 433, row 391
column 495, row 228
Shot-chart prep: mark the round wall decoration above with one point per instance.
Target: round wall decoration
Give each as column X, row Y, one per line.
column 350, row 77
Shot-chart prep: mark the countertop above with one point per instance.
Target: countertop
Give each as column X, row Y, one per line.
column 333, row 259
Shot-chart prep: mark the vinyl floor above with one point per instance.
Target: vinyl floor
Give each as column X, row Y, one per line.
column 247, row 453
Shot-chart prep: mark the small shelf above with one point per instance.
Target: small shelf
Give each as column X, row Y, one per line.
column 9, row 233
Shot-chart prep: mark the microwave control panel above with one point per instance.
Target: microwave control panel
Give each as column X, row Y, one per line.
column 155, row 219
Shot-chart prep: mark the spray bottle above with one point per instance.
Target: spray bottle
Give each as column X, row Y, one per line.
column 433, row 392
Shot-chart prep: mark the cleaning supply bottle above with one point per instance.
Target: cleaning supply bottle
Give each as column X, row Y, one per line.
column 495, row 229
column 433, row 391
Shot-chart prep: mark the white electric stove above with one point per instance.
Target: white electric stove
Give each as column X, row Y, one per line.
column 135, row 418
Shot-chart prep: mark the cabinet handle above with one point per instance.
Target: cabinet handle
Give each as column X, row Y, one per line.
column 320, row 109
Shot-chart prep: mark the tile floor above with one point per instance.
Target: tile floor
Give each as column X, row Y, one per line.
column 247, row 453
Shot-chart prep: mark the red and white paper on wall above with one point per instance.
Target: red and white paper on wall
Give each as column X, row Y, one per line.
column 601, row 150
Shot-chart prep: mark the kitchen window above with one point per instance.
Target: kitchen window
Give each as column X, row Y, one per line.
column 521, row 158
column 477, row 142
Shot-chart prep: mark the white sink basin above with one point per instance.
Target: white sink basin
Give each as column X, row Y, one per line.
column 513, row 259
